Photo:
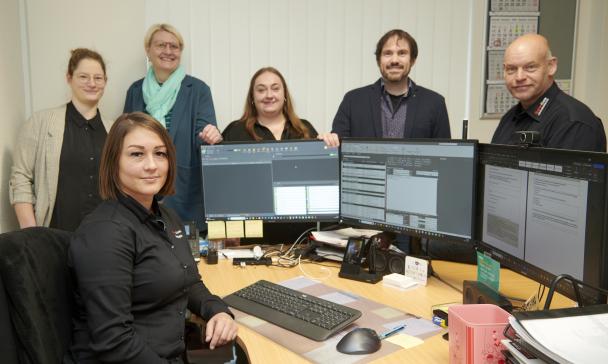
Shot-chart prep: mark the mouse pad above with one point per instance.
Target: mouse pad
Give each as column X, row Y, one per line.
column 375, row 315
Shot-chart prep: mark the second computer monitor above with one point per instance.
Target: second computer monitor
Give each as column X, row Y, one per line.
column 417, row 187
column 271, row 181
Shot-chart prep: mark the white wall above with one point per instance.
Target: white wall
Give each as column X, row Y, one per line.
column 12, row 101
column 114, row 28
column 323, row 47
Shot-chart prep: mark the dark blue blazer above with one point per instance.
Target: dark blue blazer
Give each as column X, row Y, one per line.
column 359, row 114
column 192, row 111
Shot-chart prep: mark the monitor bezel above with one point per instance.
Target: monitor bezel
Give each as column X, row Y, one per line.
column 414, row 232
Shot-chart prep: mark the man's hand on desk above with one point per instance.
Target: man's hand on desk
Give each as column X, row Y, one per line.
column 220, row 330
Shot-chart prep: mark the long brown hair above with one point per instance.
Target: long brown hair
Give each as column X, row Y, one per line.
column 250, row 113
column 109, row 165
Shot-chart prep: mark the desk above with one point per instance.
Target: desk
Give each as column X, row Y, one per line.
column 224, row 278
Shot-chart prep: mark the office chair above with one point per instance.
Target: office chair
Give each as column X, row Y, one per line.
column 35, row 296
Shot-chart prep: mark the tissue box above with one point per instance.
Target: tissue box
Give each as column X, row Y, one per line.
column 475, row 333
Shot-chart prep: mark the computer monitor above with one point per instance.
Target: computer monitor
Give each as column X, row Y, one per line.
column 294, row 181
column 417, row 187
column 543, row 212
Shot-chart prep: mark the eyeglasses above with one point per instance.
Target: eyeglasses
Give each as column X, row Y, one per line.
column 84, row 78
column 172, row 46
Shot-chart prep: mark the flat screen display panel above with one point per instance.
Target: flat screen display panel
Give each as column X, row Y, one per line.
column 542, row 212
column 418, row 187
column 272, row 181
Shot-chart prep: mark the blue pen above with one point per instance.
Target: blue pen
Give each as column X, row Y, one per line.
column 390, row 332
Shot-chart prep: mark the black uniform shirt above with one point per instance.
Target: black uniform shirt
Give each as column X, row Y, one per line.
column 563, row 122
column 135, row 277
column 77, row 186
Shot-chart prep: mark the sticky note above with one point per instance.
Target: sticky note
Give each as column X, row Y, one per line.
column 404, row 340
column 254, row 229
column 234, row 229
column 216, row 230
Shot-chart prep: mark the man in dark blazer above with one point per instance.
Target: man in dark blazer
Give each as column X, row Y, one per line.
column 394, row 106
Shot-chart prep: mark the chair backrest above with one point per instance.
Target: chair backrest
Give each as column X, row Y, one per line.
column 37, row 295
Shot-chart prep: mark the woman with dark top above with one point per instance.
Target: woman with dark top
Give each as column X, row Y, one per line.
column 269, row 113
column 56, row 162
column 133, row 270
column 182, row 104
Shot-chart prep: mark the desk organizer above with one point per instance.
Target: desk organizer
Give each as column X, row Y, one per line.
column 475, row 332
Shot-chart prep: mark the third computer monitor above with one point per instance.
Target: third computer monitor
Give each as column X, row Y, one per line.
column 273, row 181
column 417, row 187
column 543, row 212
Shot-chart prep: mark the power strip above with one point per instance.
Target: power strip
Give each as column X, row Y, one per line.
column 252, row 261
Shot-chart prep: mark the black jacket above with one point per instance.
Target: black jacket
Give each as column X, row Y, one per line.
column 359, row 114
column 135, row 277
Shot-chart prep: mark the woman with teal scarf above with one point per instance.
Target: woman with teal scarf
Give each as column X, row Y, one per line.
column 183, row 104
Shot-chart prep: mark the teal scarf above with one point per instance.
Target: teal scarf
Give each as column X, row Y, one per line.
column 159, row 99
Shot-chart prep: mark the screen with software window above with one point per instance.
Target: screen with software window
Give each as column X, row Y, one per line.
column 542, row 212
column 418, row 187
column 273, row 181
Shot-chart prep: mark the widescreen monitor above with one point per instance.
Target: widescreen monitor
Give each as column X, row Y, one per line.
column 287, row 181
column 542, row 212
column 416, row 187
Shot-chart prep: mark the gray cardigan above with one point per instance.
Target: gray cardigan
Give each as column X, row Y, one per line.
column 35, row 170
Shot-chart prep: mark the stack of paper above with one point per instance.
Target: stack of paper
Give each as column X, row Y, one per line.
column 340, row 237
column 572, row 335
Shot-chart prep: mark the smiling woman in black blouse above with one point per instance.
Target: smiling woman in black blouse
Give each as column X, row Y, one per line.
column 134, row 273
column 269, row 113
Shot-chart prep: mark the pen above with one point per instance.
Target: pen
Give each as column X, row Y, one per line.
column 390, row 332
column 224, row 254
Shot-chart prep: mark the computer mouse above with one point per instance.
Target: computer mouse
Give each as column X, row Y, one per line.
column 359, row 341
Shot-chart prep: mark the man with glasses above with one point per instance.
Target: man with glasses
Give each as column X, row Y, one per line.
column 561, row 120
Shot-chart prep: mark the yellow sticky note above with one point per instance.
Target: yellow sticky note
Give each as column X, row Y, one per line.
column 254, row 229
column 234, row 229
column 216, row 230
column 404, row 340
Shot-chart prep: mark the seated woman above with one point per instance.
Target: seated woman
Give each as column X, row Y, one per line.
column 56, row 161
column 133, row 270
column 269, row 113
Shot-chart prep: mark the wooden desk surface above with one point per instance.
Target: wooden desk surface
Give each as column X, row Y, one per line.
column 224, row 278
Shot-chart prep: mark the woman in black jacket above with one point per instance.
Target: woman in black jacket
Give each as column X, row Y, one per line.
column 135, row 276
